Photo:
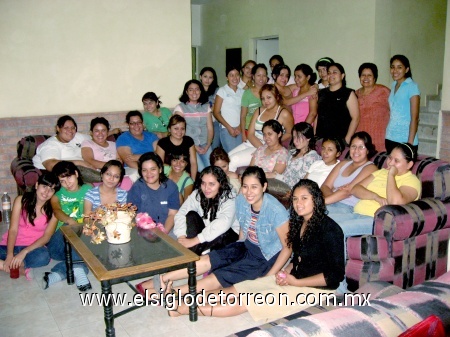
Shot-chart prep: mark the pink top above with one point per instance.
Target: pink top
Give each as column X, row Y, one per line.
column 268, row 162
column 101, row 153
column 300, row 110
column 374, row 114
column 27, row 233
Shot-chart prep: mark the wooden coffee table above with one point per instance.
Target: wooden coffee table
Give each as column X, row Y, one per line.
column 149, row 252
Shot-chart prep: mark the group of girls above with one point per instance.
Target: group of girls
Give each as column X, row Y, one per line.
column 206, row 214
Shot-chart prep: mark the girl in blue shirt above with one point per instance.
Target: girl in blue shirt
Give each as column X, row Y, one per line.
column 404, row 103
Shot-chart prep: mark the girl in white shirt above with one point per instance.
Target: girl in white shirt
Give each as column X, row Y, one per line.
column 331, row 151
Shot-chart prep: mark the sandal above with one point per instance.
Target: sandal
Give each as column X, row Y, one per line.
column 174, row 311
column 156, row 285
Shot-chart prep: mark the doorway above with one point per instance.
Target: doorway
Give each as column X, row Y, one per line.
column 265, row 48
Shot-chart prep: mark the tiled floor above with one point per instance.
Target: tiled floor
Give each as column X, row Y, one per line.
column 28, row 310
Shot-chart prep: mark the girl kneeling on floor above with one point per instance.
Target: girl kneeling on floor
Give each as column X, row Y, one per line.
column 262, row 247
column 32, row 226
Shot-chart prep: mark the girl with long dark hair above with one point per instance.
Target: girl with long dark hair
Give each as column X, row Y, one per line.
column 32, row 225
column 206, row 219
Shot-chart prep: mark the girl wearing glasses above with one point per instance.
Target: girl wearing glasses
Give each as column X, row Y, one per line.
column 339, row 183
column 108, row 192
column 135, row 142
column 195, row 108
column 156, row 118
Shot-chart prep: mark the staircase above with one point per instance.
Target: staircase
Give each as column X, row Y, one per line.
column 428, row 124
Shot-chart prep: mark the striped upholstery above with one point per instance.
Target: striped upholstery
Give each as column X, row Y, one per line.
column 390, row 314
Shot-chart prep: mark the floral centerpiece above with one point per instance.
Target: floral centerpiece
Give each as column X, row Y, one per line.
column 117, row 220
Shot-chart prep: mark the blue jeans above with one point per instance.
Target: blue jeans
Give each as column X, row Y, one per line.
column 38, row 257
column 229, row 142
column 203, row 160
column 216, row 139
column 56, row 249
column 352, row 224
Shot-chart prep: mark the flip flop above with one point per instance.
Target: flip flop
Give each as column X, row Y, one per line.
column 156, row 285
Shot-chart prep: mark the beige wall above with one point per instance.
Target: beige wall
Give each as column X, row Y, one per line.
column 350, row 31
column 418, row 31
column 446, row 82
column 60, row 56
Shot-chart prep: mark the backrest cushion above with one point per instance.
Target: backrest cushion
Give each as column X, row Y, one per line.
column 26, row 147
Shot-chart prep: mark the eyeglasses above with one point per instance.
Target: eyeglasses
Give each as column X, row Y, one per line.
column 135, row 123
column 360, row 147
column 69, row 128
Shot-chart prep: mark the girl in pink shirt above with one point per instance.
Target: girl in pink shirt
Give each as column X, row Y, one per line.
column 32, row 225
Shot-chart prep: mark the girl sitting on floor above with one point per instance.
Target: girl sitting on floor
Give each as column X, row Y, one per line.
column 108, row 192
column 177, row 173
column 32, row 226
column 220, row 158
column 68, row 206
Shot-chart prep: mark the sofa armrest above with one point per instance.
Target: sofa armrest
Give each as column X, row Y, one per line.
column 367, row 248
column 26, row 147
column 399, row 222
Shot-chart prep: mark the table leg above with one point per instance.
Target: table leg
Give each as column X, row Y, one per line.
column 108, row 310
column 69, row 264
column 192, row 282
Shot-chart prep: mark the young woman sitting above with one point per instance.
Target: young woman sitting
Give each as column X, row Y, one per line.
column 153, row 192
column 331, row 151
column 177, row 173
column 302, row 157
column 220, row 158
column 206, row 220
column 68, row 207
column 178, row 143
column 108, row 192
column 32, row 225
column 272, row 156
column 262, row 249
column 337, row 186
column 310, row 230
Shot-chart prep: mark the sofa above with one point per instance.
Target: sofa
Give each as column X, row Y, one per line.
column 23, row 170
column 391, row 312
